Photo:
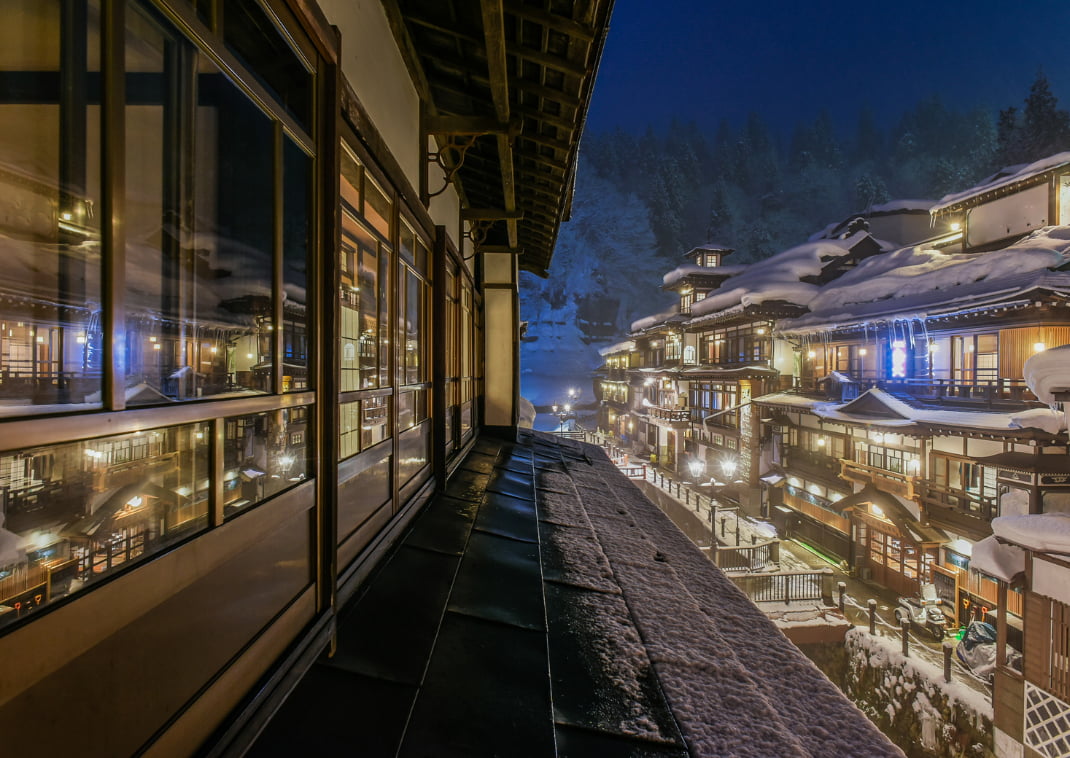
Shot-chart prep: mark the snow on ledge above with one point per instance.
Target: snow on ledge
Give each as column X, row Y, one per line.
column 620, row 347
column 1047, row 372
column 1042, row 532
column 992, row 557
column 1020, row 173
column 649, row 321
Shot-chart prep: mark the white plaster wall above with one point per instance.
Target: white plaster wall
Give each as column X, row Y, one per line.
column 374, row 67
column 783, row 357
column 952, row 445
column 979, row 448
column 500, row 349
column 1015, row 214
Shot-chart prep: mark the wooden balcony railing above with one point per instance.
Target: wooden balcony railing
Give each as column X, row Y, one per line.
column 669, row 414
column 975, row 392
column 968, row 503
column 889, row 481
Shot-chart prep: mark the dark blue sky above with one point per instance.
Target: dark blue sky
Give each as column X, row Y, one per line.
column 705, row 60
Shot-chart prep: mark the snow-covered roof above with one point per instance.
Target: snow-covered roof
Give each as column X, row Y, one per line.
column 902, row 414
column 648, row 321
column 692, row 269
column 1047, row 372
column 1043, row 532
column 778, row 277
column 1005, row 178
column 992, row 557
column 918, row 281
column 900, row 206
column 620, row 347
column 710, row 247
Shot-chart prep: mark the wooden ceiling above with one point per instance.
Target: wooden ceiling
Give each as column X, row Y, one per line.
column 505, row 85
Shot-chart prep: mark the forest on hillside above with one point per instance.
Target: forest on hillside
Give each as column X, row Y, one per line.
column 642, row 202
column 739, row 187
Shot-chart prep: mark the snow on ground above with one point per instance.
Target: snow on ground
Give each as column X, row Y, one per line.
column 887, row 650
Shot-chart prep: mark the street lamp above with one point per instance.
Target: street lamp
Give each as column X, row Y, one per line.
column 697, row 468
column 563, row 413
column 728, row 466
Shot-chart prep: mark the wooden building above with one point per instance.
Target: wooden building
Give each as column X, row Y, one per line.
column 260, row 296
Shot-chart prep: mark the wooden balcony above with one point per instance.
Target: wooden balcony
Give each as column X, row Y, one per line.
column 962, row 512
column 812, row 466
column 888, row 481
column 676, row 418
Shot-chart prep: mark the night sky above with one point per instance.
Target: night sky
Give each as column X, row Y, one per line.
column 703, row 60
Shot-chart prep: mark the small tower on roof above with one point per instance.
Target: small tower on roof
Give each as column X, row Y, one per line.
column 709, row 255
column 702, row 274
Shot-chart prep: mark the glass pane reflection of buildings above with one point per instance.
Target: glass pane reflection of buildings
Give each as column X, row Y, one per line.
column 50, row 310
column 73, row 513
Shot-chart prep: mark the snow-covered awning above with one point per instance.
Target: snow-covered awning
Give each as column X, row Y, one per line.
column 994, row 558
column 1042, row 532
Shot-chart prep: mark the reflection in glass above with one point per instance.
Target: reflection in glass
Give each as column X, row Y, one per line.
column 363, row 424
column 74, row 513
column 50, row 318
column 199, row 234
column 297, row 169
column 264, row 454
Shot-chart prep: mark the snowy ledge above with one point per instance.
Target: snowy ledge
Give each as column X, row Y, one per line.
column 735, row 684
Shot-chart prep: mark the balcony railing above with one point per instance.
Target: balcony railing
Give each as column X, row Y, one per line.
column 669, row 414
column 970, row 503
column 977, row 392
column 889, row 481
column 809, row 463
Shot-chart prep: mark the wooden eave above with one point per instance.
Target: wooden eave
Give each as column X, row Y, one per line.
column 1002, row 191
column 521, row 72
column 698, row 281
column 767, row 311
column 977, row 432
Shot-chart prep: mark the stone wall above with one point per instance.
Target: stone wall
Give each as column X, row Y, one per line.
column 907, row 698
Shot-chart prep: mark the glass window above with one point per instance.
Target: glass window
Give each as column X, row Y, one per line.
column 249, row 32
column 264, row 454
column 50, row 319
column 199, row 319
column 75, row 513
column 297, row 177
column 363, row 424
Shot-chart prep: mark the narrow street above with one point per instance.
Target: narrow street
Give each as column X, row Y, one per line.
column 692, row 517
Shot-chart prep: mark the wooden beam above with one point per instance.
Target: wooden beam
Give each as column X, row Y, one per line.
column 494, row 34
column 471, row 125
column 494, row 39
column 489, row 214
column 549, row 60
column 551, row 21
column 546, row 93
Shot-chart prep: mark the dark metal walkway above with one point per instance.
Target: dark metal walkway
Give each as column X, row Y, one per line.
column 514, row 620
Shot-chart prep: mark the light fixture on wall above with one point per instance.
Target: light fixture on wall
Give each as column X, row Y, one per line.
column 1039, row 347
